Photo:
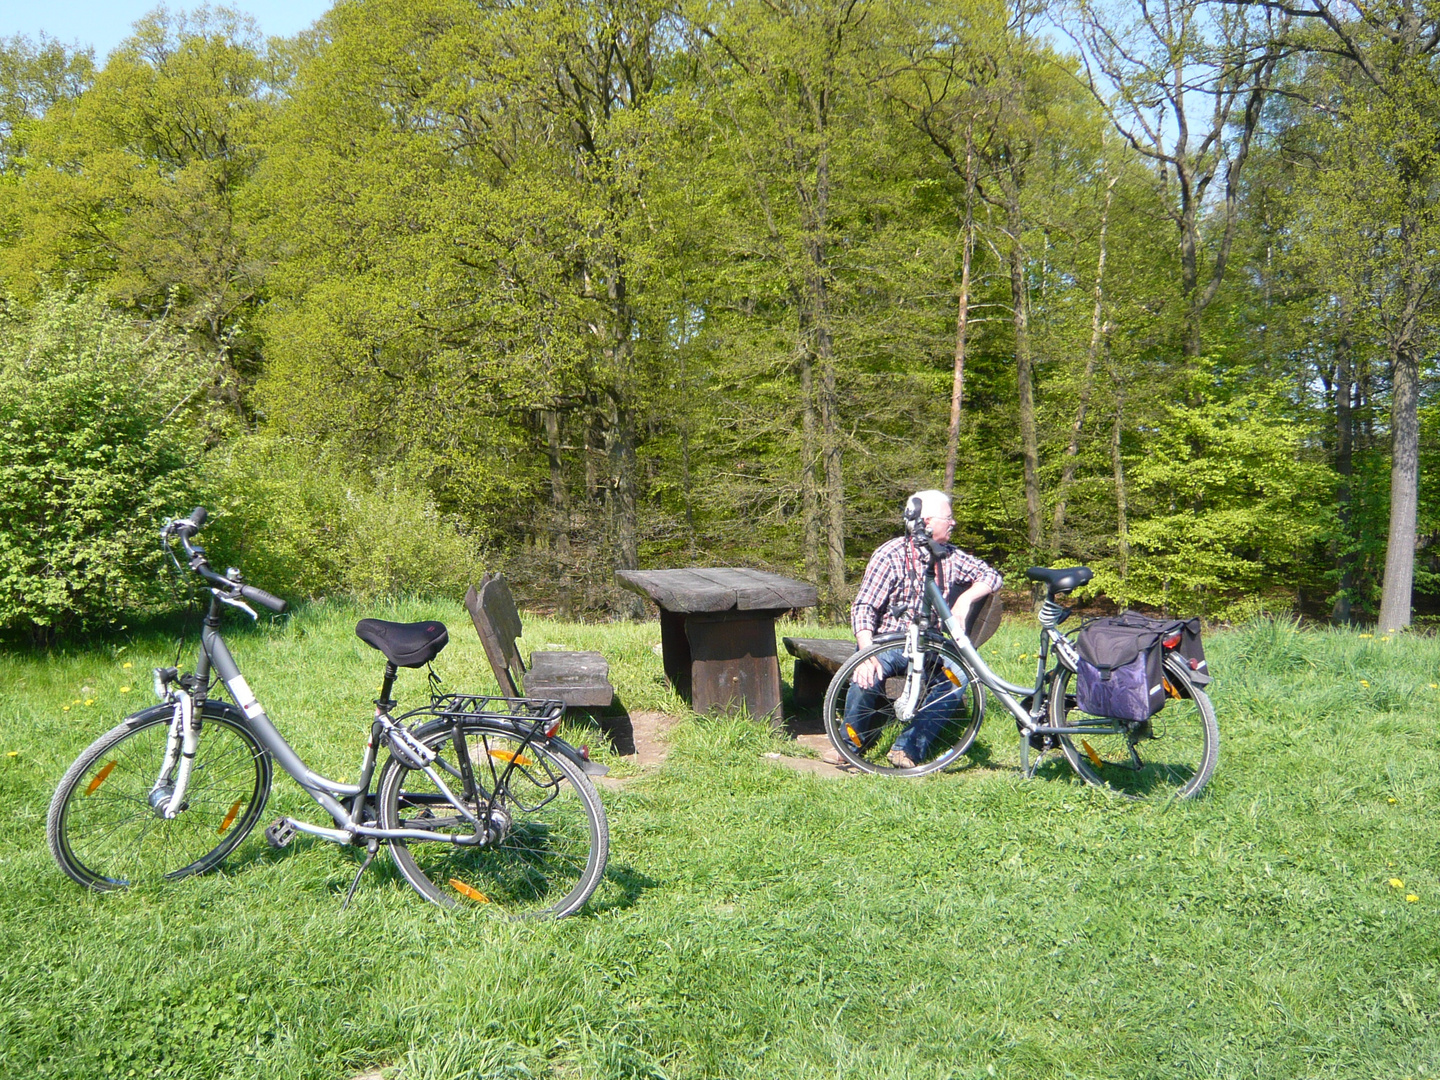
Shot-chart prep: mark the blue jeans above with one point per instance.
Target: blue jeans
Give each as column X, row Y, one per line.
column 866, row 709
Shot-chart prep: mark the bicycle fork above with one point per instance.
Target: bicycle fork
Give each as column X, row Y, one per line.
column 167, row 797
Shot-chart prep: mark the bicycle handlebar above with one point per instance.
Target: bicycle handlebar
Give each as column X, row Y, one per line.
column 185, row 528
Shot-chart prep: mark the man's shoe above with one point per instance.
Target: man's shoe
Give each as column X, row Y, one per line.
column 831, row 756
column 900, row 759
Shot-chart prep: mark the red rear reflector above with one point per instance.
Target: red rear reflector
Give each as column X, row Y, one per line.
column 1172, row 641
column 1194, row 664
column 553, row 728
column 584, row 753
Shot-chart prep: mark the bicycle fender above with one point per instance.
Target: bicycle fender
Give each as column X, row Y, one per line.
column 588, row 767
column 213, row 707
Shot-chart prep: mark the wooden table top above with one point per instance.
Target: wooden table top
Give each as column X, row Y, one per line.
column 720, row 589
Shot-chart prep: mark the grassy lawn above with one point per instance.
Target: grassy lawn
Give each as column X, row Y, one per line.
column 760, row 922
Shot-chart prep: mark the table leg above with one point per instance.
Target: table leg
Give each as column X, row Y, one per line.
column 733, row 662
column 675, row 650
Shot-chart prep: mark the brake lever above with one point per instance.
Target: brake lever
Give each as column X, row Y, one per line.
column 233, row 602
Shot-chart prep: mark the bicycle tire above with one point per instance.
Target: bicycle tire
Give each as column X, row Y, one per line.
column 867, row 736
column 554, row 838
column 102, row 829
column 1185, row 730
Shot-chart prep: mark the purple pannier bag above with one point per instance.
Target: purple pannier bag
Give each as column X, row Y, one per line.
column 1121, row 673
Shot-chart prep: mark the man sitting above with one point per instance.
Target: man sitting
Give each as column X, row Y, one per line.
column 893, row 584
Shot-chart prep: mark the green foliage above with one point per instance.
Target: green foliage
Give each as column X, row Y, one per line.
column 99, row 446
column 301, row 525
column 1232, row 503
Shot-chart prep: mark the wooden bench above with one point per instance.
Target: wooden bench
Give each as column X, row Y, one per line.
column 580, row 679
column 817, row 659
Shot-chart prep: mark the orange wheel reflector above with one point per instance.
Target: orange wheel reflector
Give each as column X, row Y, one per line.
column 506, row 755
column 854, row 736
column 1169, row 689
column 230, row 817
column 467, row 890
column 99, row 779
column 1090, row 753
column 950, row 675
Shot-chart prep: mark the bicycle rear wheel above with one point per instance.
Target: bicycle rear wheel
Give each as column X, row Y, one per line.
column 550, row 837
column 102, row 828
column 863, row 726
column 1169, row 756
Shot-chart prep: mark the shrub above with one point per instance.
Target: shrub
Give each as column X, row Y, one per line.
column 98, row 447
column 302, row 524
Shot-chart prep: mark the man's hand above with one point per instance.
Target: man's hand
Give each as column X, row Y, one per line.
column 868, row 673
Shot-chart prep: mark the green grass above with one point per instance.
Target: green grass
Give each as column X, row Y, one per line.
column 757, row 922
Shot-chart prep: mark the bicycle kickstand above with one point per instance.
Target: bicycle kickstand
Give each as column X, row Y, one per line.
column 371, row 847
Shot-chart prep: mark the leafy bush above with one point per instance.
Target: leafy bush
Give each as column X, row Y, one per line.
column 98, row 446
column 301, row 524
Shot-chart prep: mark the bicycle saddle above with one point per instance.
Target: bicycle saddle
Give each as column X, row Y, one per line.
column 404, row 644
column 1061, row 580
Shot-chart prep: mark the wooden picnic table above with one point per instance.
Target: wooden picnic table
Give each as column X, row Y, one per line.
column 717, row 632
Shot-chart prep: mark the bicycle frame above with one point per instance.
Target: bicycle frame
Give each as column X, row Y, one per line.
column 1011, row 694
column 349, row 823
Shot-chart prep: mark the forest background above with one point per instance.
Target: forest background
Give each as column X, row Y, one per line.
column 566, row 287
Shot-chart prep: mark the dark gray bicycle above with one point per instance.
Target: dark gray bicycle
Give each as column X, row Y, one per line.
column 936, row 681
column 479, row 801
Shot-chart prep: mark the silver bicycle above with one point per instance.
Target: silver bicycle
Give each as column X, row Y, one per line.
column 479, row 801
column 935, row 687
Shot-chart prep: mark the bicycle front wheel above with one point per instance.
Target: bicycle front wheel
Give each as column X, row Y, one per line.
column 873, row 729
column 103, row 829
column 549, row 839
column 1169, row 756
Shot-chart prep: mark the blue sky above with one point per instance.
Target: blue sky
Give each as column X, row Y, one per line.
column 103, row 23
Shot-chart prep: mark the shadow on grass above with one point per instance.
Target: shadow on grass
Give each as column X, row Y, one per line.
column 632, row 885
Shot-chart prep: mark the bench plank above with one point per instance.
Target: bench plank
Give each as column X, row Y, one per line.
column 579, row 679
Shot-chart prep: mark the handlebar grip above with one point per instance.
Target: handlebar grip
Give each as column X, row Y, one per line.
column 198, row 516
column 263, row 598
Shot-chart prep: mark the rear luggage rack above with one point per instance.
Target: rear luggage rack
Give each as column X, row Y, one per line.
column 453, row 706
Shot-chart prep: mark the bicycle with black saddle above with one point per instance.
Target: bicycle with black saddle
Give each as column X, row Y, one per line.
column 939, row 688
column 479, row 801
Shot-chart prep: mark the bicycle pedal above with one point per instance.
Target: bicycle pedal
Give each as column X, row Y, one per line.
column 279, row 834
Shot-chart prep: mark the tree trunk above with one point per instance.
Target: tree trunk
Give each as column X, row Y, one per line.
column 1344, row 466
column 560, row 515
column 1023, row 375
column 962, row 316
column 809, row 459
column 1097, row 324
column 1395, row 593
column 1117, row 463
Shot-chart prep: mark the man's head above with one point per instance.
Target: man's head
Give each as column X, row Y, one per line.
column 935, row 511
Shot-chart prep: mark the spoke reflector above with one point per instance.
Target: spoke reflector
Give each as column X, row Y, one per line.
column 506, row 755
column 1092, row 755
column 1170, row 689
column 466, row 890
column 99, row 779
column 854, row 736
column 950, row 674
column 230, row 817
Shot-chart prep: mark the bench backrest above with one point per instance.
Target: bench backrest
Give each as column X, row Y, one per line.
column 497, row 621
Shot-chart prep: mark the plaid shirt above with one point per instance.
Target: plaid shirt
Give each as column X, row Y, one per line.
column 895, row 574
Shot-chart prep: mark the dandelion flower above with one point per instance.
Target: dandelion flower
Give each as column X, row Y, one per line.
column 1410, row 898
column 1367, row 635
column 1396, row 883
column 127, row 665
column 124, row 689
column 1365, row 684
column 1386, row 638
column 1390, row 800
column 13, row 753
column 90, row 701
column 1435, row 686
